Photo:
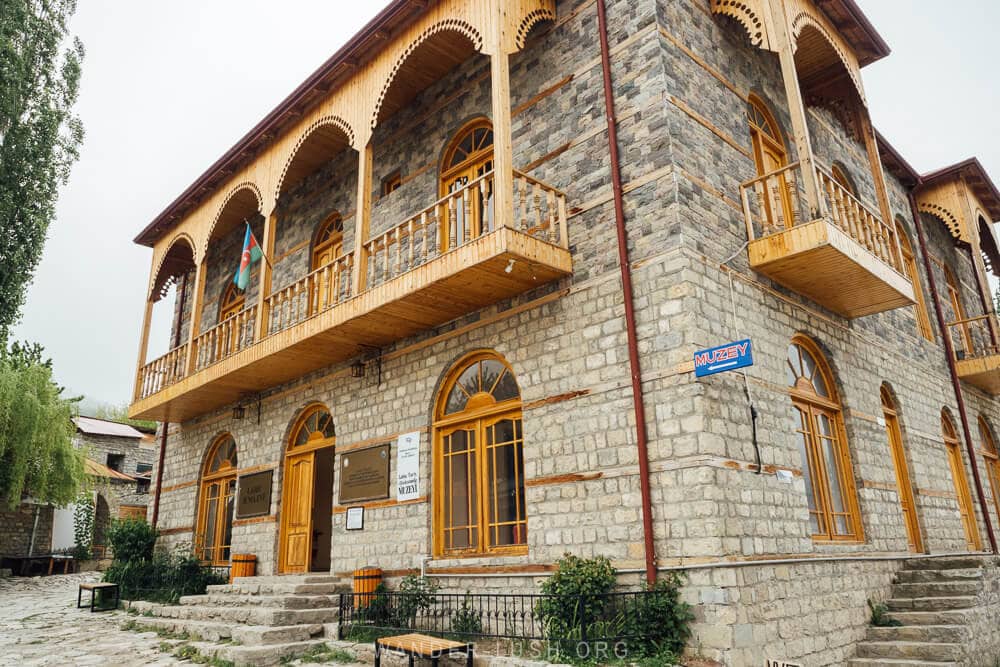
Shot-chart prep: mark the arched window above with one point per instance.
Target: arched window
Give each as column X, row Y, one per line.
column 468, row 157
column 903, row 487
column 840, row 175
column 992, row 460
column 233, row 300
column 964, row 497
column 328, row 244
column 478, row 460
column 822, row 443
column 958, row 312
column 910, row 265
column 216, row 501
column 769, row 155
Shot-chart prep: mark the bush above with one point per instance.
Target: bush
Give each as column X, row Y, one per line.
column 163, row 578
column 578, row 591
column 466, row 620
column 416, row 594
column 132, row 540
column 660, row 620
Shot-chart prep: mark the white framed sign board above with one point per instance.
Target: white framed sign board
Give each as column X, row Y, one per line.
column 408, row 466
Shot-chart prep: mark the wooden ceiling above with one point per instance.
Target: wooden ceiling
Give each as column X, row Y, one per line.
column 243, row 205
column 322, row 145
column 178, row 261
column 851, row 22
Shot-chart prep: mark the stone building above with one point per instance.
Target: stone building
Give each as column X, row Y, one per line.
column 463, row 253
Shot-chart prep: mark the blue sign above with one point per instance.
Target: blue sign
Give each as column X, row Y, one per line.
column 726, row 357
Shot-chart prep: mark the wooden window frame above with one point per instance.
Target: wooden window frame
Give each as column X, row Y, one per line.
column 320, row 244
column 910, row 265
column 991, row 458
column 468, row 167
column 222, row 476
column 963, row 495
column 812, row 406
column 478, row 418
column 901, row 469
column 391, row 183
column 955, row 300
column 230, row 305
column 768, row 135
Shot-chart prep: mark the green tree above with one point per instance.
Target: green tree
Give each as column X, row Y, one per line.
column 37, row 456
column 39, row 135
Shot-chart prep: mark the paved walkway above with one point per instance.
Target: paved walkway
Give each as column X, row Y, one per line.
column 40, row 625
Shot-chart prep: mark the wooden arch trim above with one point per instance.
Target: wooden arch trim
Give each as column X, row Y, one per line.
column 950, row 220
column 749, row 14
column 806, row 19
column 161, row 283
column 823, row 365
column 326, row 121
column 238, row 188
column 456, row 25
column 532, row 19
column 455, row 370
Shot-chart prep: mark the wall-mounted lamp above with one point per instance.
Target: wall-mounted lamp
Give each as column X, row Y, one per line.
column 239, row 412
column 240, row 409
column 359, row 366
column 358, row 369
column 510, row 266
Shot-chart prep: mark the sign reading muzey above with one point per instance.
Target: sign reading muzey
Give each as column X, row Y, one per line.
column 254, row 497
column 364, row 474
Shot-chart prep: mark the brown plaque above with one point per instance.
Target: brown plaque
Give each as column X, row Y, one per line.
column 364, row 474
column 254, row 497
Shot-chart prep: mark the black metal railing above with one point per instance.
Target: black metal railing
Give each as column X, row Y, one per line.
column 612, row 618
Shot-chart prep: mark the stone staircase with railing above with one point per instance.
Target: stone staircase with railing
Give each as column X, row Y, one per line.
column 253, row 621
column 934, row 600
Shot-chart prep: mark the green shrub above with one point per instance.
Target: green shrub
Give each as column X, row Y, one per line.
column 132, row 540
column 660, row 619
column 83, row 526
column 416, row 594
column 880, row 616
column 163, row 578
column 466, row 620
column 578, row 596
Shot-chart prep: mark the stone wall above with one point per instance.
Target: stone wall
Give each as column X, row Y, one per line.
column 16, row 527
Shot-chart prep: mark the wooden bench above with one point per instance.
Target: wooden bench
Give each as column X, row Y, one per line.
column 421, row 646
column 93, row 588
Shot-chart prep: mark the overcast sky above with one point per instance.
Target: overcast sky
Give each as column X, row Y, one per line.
column 168, row 87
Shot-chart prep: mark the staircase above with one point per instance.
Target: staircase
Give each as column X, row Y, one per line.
column 255, row 620
column 933, row 599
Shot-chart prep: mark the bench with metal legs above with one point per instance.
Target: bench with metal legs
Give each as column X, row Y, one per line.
column 94, row 588
column 422, row 646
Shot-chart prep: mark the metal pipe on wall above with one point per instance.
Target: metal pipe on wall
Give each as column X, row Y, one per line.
column 627, row 293
column 956, row 384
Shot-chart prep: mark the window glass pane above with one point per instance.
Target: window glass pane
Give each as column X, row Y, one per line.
column 806, row 469
column 469, row 380
column 211, row 516
column 506, row 387
column 491, row 373
column 794, row 362
column 456, row 401
column 505, row 474
column 808, row 365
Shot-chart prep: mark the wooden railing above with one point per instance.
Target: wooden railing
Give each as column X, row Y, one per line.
column 161, row 373
column 225, row 339
column 459, row 218
column 973, row 337
column 774, row 202
column 319, row 290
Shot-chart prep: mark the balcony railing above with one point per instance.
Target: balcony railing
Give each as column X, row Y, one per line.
column 162, row 372
column 462, row 222
column 225, row 339
column 774, row 203
column 972, row 338
column 319, row 290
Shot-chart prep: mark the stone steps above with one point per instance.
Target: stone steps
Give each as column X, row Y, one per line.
column 888, row 662
column 247, row 656
column 961, row 574
column 932, row 603
column 920, row 633
column 242, row 600
column 927, row 589
column 948, row 617
column 244, row 615
column 249, row 635
column 943, row 563
column 929, row 651
column 290, row 588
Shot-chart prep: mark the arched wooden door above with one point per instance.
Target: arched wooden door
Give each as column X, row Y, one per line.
column 769, row 156
column 468, row 157
column 327, row 246
column 955, row 300
column 903, row 486
column 303, row 505
column 992, row 461
column 964, row 497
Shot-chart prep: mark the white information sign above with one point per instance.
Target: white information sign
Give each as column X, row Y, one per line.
column 408, row 466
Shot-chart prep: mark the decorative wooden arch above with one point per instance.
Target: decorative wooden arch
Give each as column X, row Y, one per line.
column 160, row 284
column 950, row 220
column 233, row 192
column 331, row 120
column 455, row 25
column 532, row 19
column 749, row 14
column 806, row 19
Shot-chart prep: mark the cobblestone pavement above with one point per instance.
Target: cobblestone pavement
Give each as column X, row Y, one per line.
column 40, row 625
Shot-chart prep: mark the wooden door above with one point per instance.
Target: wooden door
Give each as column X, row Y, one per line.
column 769, row 156
column 324, row 288
column 903, row 486
column 295, row 543
column 964, row 497
column 955, row 299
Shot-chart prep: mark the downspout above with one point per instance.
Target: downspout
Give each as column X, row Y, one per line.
column 949, row 352
column 627, row 294
column 163, row 433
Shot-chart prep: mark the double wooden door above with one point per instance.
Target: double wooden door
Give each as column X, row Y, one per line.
column 904, row 488
column 965, row 507
column 296, row 513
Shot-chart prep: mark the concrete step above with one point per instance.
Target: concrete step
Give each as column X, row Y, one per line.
column 252, row 656
column 290, row 579
column 946, row 617
column 961, row 574
column 943, row 563
column 928, row 589
column 250, row 635
column 920, row 633
column 887, row 662
column 289, row 588
column 932, row 603
column 930, row 651
column 246, row 616
column 282, row 601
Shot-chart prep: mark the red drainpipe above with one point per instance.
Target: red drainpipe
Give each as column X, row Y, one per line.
column 163, row 434
column 956, row 384
column 626, row 270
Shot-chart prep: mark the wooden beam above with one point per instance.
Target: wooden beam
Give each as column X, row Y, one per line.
column 503, row 153
column 266, row 268
column 196, row 308
column 881, row 192
column 362, row 218
column 143, row 347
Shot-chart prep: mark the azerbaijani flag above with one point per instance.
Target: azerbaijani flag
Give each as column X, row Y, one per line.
column 251, row 254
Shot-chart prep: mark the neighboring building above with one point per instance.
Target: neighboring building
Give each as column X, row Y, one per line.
column 437, row 207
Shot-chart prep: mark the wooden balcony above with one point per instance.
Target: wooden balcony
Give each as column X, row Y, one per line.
column 433, row 267
column 977, row 355
column 847, row 261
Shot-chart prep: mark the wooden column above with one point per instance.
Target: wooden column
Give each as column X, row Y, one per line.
column 503, row 155
column 264, row 287
column 796, row 108
column 143, row 348
column 362, row 219
column 196, row 307
column 881, row 192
